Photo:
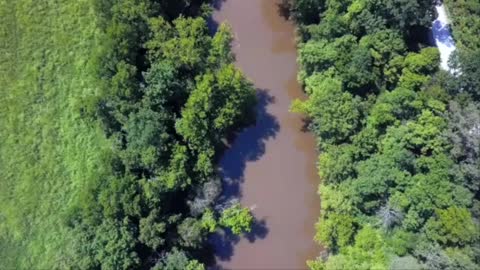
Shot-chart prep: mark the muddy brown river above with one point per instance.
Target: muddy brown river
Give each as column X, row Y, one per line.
column 270, row 167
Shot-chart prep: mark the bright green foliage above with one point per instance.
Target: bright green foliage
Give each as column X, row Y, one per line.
column 465, row 17
column 239, row 219
column 336, row 231
column 424, row 62
column 453, row 226
column 116, row 245
column 424, row 134
column 337, row 164
column 220, row 53
column 396, row 158
column 334, row 113
column 368, row 252
column 392, row 107
column 315, row 265
column 353, row 64
column 103, row 161
column 462, row 258
column 384, row 46
column 51, row 153
column 182, row 43
column 338, row 198
column 215, row 103
column 208, row 221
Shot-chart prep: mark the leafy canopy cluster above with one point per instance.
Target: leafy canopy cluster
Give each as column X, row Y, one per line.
column 398, row 162
column 465, row 18
column 167, row 118
column 118, row 111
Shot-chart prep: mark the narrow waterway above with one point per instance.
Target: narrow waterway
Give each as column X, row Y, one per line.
column 270, row 167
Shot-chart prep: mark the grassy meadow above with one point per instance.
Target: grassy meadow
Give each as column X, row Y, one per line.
column 49, row 154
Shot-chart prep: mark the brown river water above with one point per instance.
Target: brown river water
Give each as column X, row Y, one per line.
column 270, row 167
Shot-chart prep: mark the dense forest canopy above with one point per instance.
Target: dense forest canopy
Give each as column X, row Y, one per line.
column 110, row 162
column 114, row 114
column 398, row 137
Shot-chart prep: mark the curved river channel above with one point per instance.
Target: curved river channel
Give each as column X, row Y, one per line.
column 270, row 167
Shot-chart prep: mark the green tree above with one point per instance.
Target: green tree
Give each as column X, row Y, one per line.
column 305, row 11
column 368, row 252
column 191, row 233
column 425, row 133
column 218, row 102
column 336, row 231
column 178, row 260
column 237, row 218
column 185, row 43
column 452, row 226
column 336, row 164
column 114, row 245
column 208, row 221
column 334, row 113
column 220, row 53
column 151, row 230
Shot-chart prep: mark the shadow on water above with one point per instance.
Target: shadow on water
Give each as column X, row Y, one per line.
column 259, row 231
column 442, row 33
column 212, row 26
column 248, row 146
column 284, row 8
column 217, row 4
column 223, row 242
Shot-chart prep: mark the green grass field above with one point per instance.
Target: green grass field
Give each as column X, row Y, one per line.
column 49, row 154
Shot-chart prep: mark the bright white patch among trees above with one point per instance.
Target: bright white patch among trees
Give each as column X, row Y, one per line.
column 443, row 36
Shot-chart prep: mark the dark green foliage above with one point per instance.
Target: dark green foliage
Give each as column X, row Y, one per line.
column 151, row 229
column 465, row 16
column 304, row 11
column 465, row 137
column 118, row 110
column 168, row 132
column 398, row 165
column 334, row 113
column 177, row 260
